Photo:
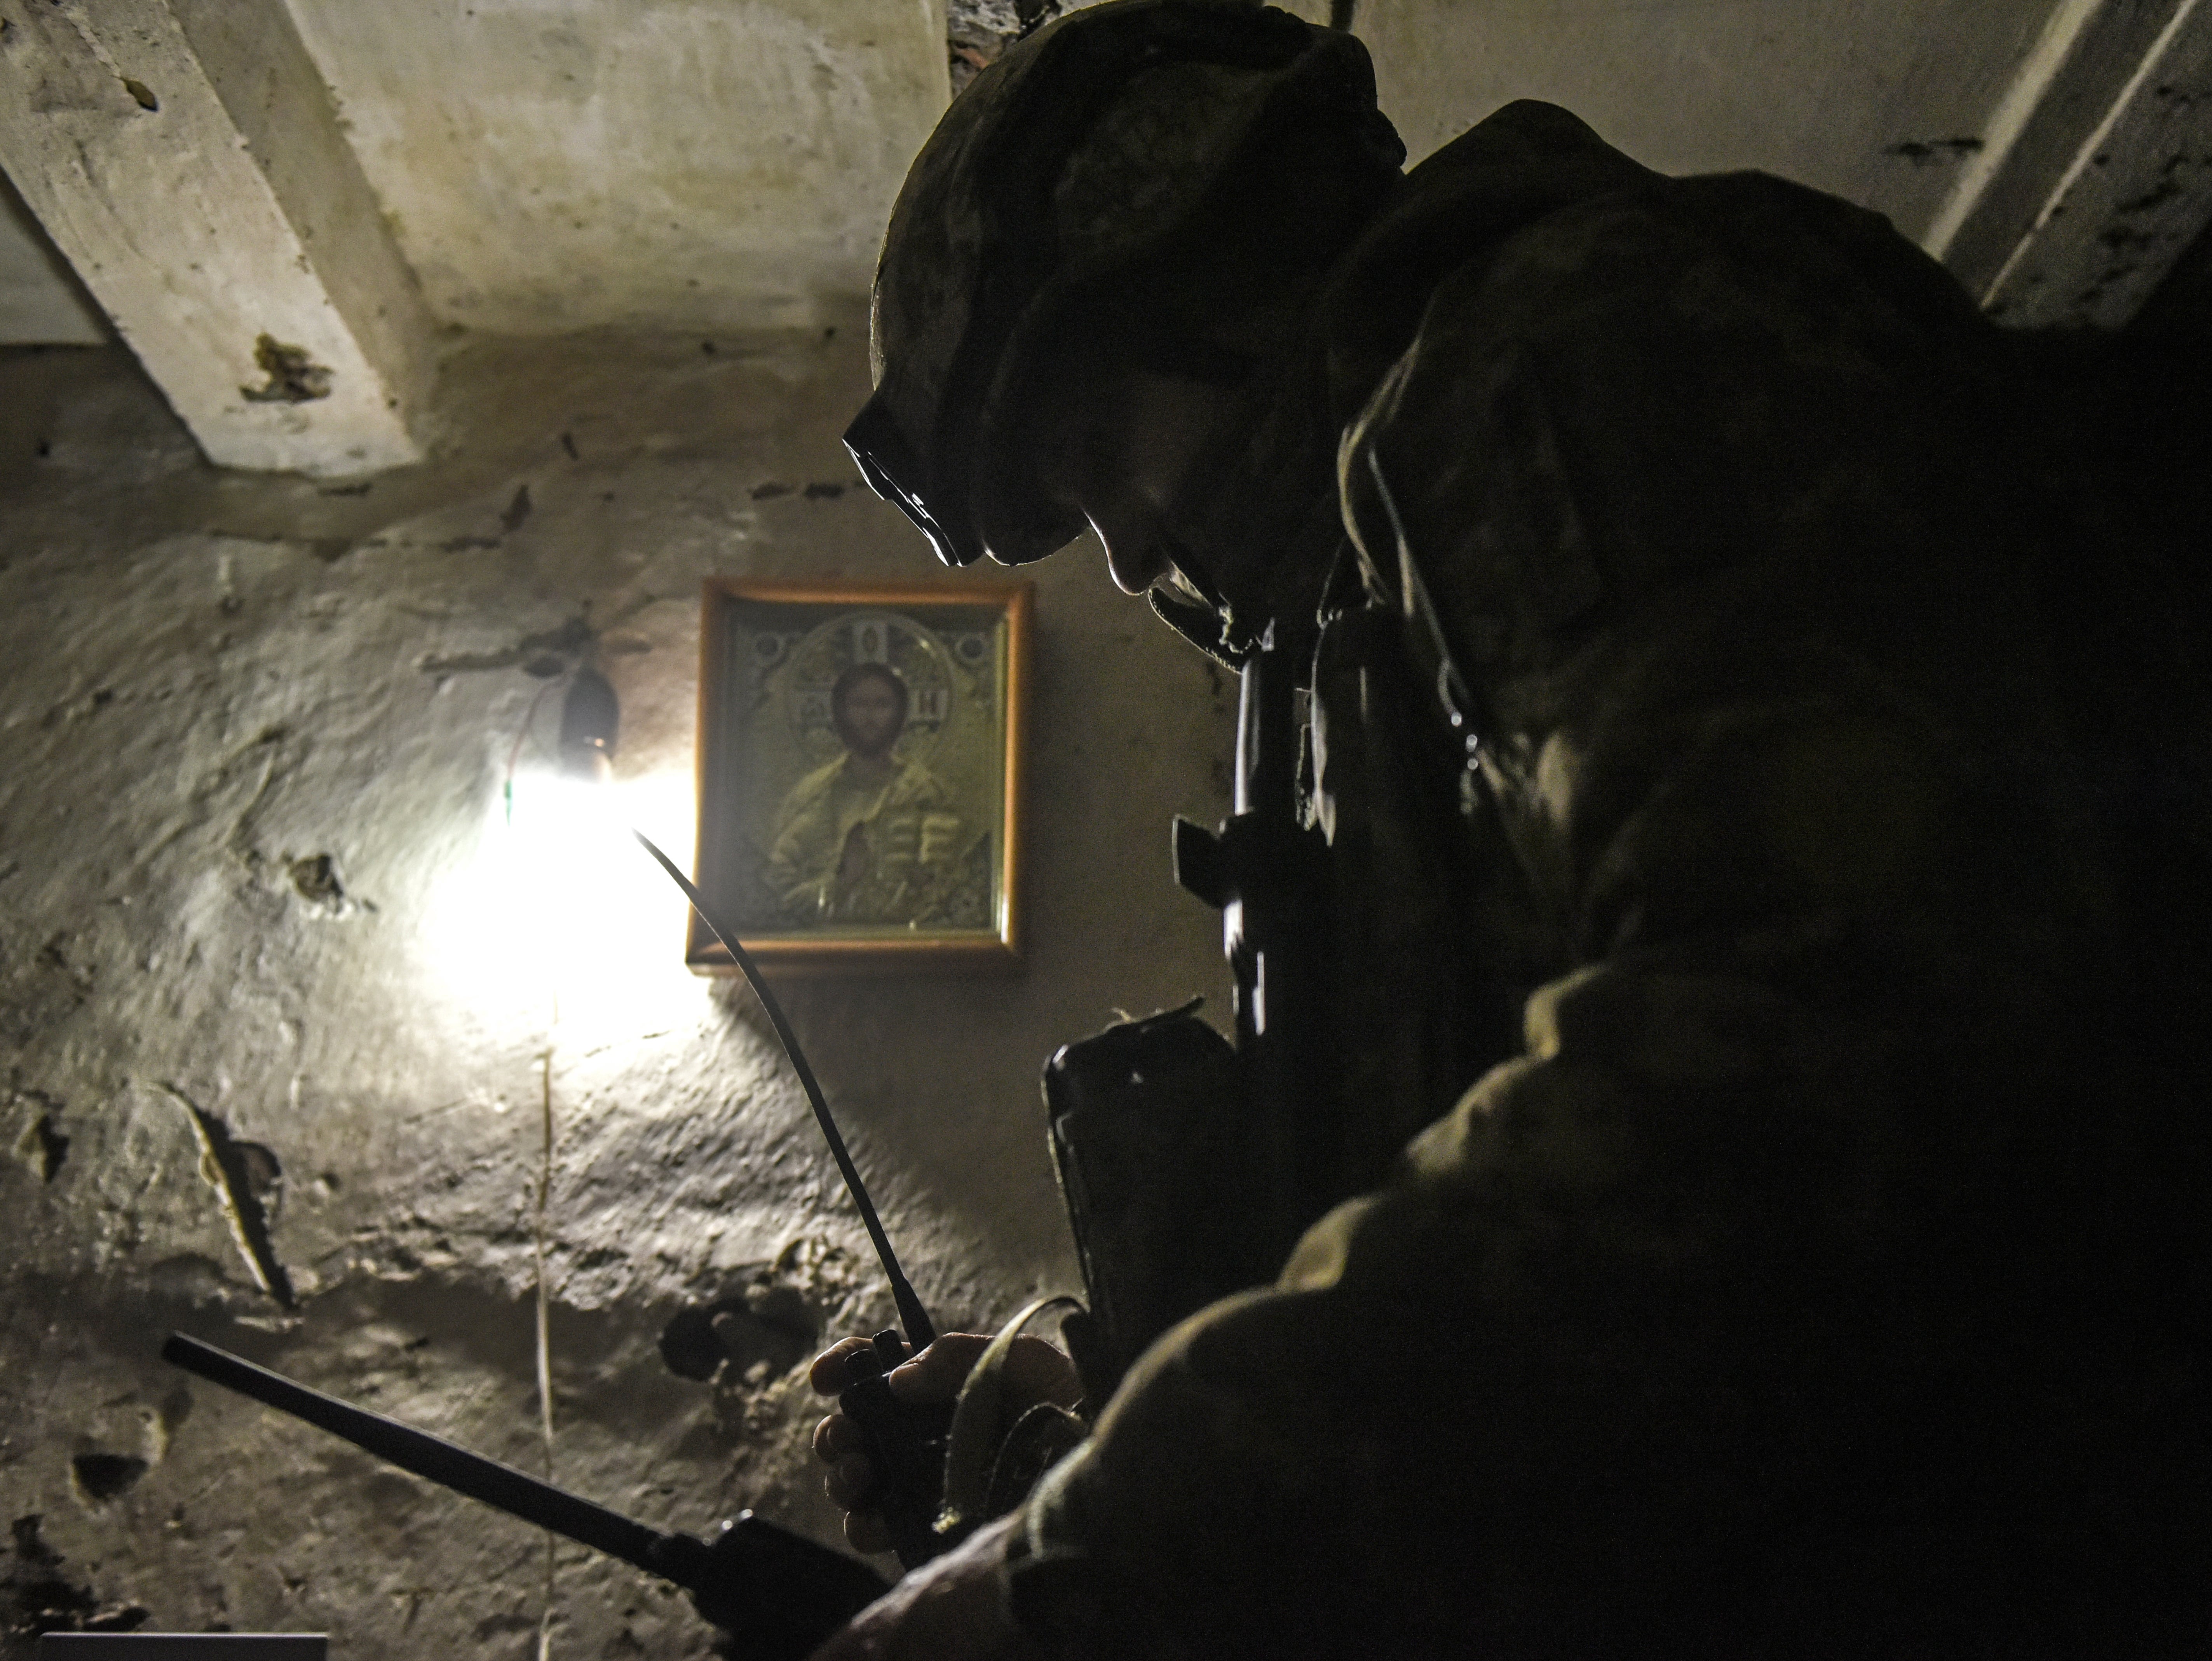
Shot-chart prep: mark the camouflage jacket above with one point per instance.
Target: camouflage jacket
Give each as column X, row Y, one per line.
column 1816, row 1268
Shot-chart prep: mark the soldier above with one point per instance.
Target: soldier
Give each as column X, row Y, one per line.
column 1765, row 804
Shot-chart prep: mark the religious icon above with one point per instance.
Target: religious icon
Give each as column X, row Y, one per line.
column 859, row 758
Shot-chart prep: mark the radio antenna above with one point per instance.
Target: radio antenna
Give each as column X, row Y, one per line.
column 919, row 1333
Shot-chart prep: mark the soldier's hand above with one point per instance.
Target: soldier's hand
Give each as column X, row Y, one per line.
column 1035, row 1371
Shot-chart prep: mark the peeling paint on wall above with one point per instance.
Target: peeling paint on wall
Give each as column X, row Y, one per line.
column 294, row 377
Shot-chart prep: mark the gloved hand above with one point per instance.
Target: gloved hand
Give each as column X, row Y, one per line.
column 1035, row 1371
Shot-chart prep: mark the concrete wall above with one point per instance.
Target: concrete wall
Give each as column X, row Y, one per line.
column 662, row 163
column 213, row 681
column 40, row 300
column 548, row 165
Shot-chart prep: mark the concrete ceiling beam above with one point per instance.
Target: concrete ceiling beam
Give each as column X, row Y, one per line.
column 2096, row 172
column 185, row 158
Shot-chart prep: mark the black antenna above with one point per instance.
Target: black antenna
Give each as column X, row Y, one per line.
column 919, row 1333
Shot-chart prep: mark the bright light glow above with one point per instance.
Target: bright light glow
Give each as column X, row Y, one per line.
column 556, row 915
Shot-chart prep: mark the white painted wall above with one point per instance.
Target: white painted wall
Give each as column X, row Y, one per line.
column 672, row 163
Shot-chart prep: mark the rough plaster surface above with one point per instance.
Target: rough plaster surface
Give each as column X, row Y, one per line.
column 212, row 680
column 660, row 163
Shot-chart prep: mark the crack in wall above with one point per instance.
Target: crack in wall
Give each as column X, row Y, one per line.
column 242, row 1174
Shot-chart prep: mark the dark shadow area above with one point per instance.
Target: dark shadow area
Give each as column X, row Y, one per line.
column 763, row 1323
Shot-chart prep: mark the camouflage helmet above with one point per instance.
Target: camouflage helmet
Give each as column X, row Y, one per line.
column 1084, row 189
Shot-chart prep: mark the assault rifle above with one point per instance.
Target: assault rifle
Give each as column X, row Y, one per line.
column 1190, row 1167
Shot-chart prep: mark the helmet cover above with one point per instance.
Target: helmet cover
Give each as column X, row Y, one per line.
column 1090, row 150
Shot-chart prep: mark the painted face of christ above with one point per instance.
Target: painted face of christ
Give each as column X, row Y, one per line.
column 868, row 707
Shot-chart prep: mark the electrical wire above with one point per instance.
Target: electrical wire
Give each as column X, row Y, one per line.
column 544, row 1333
column 545, row 1324
column 514, row 751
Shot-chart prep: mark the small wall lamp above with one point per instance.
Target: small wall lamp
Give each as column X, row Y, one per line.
column 590, row 721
